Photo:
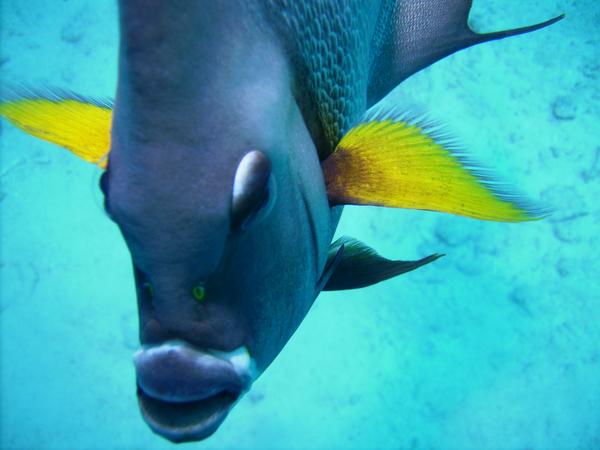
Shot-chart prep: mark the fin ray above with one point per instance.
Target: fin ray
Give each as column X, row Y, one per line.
column 360, row 266
column 79, row 124
column 390, row 160
column 414, row 35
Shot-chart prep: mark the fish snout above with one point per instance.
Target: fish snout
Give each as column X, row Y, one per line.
column 185, row 393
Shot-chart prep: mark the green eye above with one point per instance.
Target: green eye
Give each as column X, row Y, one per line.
column 149, row 289
column 199, row 292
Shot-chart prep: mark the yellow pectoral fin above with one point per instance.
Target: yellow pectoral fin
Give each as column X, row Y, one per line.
column 388, row 161
column 79, row 125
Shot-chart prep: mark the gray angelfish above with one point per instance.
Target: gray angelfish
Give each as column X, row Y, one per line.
column 238, row 131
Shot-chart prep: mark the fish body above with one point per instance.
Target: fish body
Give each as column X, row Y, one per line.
column 237, row 133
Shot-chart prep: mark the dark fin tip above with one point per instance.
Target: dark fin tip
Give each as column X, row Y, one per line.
column 428, row 259
column 516, row 31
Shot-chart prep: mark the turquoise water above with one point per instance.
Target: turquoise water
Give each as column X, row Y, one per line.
column 497, row 345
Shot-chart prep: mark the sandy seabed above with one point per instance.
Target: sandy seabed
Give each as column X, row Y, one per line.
column 496, row 345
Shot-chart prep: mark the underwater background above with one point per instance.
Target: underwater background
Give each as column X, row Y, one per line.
column 494, row 346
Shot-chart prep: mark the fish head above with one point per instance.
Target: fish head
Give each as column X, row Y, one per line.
column 215, row 183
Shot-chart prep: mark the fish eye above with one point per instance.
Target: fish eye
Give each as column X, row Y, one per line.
column 199, row 292
column 254, row 191
column 148, row 289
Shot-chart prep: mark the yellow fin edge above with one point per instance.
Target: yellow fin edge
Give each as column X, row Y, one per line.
column 382, row 161
column 79, row 125
column 391, row 162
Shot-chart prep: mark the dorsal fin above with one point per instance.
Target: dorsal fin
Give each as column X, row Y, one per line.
column 415, row 34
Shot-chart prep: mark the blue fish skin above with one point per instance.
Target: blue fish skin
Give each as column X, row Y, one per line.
column 190, row 105
column 179, row 131
column 201, row 85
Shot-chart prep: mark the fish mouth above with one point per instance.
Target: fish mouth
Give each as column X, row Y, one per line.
column 185, row 393
column 185, row 421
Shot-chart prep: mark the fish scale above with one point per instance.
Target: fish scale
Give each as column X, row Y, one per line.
column 332, row 41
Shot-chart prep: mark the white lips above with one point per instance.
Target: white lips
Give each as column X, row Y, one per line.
column 185, row 393
column 239, row 359
column 242, row 362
